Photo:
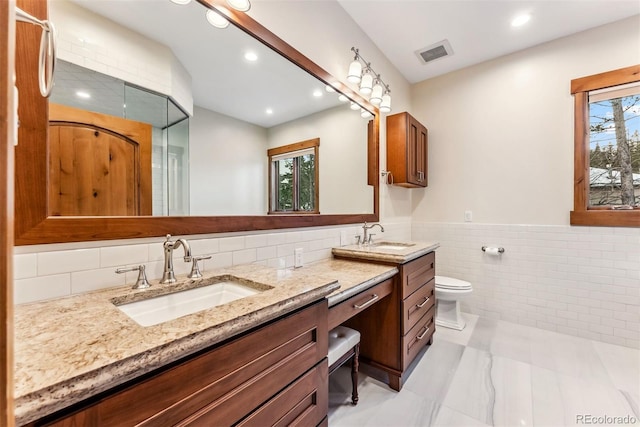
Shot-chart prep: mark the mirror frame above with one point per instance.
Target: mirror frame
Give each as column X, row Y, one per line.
column 33, row 225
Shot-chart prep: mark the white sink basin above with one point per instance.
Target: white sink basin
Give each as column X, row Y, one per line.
column 393, row 246
column 153, row 311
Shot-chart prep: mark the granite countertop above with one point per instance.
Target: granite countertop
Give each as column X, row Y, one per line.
column 72, row 348
column 382, row 251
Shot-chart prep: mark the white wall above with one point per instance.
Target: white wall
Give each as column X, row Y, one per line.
column 501, row 133
column 228, row 165
column 342, row 157
column 501, row 145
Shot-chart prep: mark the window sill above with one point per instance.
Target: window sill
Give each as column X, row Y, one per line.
column 606, row 218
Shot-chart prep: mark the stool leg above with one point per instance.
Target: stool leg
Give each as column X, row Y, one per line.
column 354, row 375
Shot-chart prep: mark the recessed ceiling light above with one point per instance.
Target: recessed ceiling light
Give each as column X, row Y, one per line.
column 84, row 95
column 520, row 20
column 269, row 111
column 216, row 19
column 251, row 56
column 241, row 5
column 317, row 93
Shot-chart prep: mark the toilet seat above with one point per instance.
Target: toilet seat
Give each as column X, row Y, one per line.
column 449, row 283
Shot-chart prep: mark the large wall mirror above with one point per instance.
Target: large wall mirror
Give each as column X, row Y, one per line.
column 181, row 122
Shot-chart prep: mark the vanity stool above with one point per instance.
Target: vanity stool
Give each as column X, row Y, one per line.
column 344, row 344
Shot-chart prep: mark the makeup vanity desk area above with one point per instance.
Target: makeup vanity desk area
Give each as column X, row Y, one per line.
column 395, row 317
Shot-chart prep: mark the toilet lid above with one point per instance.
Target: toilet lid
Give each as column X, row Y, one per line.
column 444, row 282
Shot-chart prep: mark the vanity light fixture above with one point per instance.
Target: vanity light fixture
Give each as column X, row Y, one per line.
column 355, row 69
column 365, row 114
column 354, row 106
column 216, row 19
column 241, row 5
column 366, row 83
column 370, row 82
column 376, row 92
column 385, row 105
column 342, row 98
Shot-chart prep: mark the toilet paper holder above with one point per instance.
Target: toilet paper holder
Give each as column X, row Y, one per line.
column 500, row 250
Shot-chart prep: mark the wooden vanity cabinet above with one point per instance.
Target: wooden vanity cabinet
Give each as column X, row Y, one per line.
column 407, row 150
column 394, row 330
column 273, row 375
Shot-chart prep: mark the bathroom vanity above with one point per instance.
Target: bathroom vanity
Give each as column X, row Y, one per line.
column 395, row 329
column 276, row 372
column 258, row 359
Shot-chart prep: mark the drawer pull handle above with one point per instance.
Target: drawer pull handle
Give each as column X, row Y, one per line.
column 368, row 303
column 426, row 299
column 422, row 335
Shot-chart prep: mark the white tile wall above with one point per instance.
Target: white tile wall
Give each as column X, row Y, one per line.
column 52, row 271
column 582, row 281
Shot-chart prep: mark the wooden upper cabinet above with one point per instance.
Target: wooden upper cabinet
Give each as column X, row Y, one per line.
column 407, row 150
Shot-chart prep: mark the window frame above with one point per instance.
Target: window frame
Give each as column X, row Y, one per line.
column 292, row 148
column 582, row 213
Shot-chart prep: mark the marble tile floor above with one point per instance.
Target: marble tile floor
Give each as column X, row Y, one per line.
column 495, row 373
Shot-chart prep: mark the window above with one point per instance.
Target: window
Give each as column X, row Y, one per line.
column 607, row 148
column 293, row 178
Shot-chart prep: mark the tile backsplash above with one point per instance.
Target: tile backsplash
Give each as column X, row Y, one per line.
column 582, row 281
column 52, row 271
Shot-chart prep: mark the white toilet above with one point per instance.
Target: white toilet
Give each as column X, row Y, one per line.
column 448, row 293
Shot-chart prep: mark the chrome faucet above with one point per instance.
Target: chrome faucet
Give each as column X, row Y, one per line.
column 366, row 239
column 168, row 275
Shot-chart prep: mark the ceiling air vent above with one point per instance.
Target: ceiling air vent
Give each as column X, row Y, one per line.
column 435, row 51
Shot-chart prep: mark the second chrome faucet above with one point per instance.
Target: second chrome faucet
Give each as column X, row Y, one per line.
column 168, row 276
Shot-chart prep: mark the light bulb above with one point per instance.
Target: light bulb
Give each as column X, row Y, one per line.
column 355, row 71
column 216, row 19
column 241, row 5
column 342, row 98
column 366, row 84
column 376, row 94
column 364, row 113
column 354, row 106
column 385, row 105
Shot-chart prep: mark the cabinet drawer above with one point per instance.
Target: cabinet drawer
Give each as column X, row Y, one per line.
column 354, row 305
column 417, row 272
column 417, row 337
column 228, row 381
column 304, row 403
column 416, row 305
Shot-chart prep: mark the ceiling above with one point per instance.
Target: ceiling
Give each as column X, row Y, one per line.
column 478, row 30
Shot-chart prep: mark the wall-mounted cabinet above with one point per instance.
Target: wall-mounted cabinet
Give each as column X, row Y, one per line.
column 407, row 150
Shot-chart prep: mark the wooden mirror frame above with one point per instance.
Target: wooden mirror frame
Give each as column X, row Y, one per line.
column 33, row 225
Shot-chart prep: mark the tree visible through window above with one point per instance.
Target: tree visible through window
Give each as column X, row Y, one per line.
column 293, row 178
column 614, row 150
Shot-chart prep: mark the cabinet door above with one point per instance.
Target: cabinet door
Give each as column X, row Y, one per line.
column 416, row 152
